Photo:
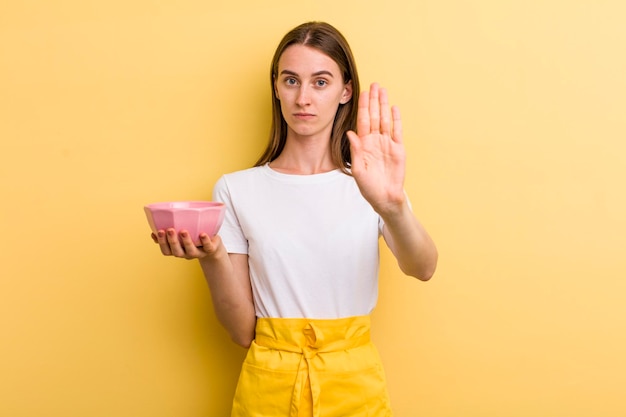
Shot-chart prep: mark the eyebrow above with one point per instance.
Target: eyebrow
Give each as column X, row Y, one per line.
column 315, row 74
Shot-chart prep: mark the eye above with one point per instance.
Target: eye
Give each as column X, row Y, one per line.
column 291, row 81
column 321, row 83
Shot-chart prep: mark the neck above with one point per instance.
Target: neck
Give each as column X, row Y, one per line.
column 304, row 156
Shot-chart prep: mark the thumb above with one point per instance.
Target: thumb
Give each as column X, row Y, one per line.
column 355, row 141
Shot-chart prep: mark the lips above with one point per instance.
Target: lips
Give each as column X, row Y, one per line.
column 304, row 116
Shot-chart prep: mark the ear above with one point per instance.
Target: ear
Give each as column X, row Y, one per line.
column 276, row 90
column 347, row 93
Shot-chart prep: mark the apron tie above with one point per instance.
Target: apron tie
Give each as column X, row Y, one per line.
column 312, row 344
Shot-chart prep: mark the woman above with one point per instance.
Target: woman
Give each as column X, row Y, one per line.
column 293, row 273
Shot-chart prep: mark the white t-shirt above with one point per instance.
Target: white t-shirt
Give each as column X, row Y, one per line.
column 311, row 240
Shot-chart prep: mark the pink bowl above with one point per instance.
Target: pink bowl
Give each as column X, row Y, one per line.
column 194, row 216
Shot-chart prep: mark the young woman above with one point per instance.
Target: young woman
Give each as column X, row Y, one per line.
column 293, row 273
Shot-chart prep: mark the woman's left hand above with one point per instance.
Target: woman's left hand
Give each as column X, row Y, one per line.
column 378, row 156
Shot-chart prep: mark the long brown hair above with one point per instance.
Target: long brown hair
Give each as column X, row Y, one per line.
column 325, row 38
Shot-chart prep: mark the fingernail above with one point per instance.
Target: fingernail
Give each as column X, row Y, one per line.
column 170, row 232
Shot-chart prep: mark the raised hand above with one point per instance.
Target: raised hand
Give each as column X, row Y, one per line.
column 378, row 156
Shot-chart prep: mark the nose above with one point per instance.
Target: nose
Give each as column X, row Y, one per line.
column 303, row 98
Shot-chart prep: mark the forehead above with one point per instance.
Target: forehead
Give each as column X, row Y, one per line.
column 304, row 60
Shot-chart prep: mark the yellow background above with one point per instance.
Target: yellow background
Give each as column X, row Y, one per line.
column 514, row 115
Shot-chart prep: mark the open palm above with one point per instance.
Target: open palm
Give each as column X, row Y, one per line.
column 378, row 156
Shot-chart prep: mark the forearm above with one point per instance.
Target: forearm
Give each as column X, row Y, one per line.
column 413, row 248
column 229, row 284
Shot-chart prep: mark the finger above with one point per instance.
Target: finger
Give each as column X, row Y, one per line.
column 363, row 115
column 206, row 242
column 385, row 112
column 191, row 251
column 175, row 245
column 397, row 125
column 209, row 245
column 161, row 239
column 374, row 109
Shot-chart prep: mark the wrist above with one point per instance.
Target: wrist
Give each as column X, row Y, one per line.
column 398, row 216
column 394, row 208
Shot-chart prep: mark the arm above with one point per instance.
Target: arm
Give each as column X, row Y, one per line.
column 228, row 278
column 378, row 166
column 413, row 248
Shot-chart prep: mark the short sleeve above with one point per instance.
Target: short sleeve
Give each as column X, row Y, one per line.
column 231, row 233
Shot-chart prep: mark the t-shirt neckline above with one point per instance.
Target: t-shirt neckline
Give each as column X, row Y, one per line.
column 304, row 178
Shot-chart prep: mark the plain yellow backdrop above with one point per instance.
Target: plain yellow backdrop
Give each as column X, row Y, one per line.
column 515, row 128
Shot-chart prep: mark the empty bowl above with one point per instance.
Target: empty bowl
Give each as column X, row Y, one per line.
column 194, row 216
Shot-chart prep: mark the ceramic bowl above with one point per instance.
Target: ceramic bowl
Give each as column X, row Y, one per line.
column 194, row 216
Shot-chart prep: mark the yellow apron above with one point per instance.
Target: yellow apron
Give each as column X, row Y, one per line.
column 312, row 368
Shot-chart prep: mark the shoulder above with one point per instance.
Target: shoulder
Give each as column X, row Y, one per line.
column 244, row 174
column 238, row 180
column 241, row 176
